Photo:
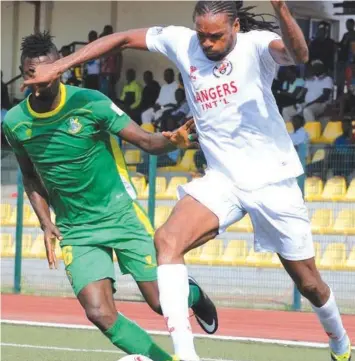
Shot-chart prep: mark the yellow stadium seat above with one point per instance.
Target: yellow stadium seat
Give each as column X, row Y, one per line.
column 313, row 189
column 334, row 256
column 318, row 155
column 332, row 131
column 257, row 259
column 211, row 252
column 133, row 156
column 322, row 221
column 317, row 252
column 244, row 225
column 162, row 213
column 275, row 261
column 350, row 262
column 148, row 127
column 234, row 254
column 345, row 222
column 186, row 164
column 6, row 249
column 32, row 221
column 289, row 127
column 334, row 189
column 313, row 129
column 350, row 194
column 139, row 184
column 160, row 187
column 26, row 245
column 5, row 212
column 171, row 190
column 193, row 256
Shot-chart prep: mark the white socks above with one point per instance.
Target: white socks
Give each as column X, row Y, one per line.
column 174, row 292
column 329, row 317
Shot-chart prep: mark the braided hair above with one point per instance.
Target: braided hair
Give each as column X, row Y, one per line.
column 234, row 9
column 36, row 45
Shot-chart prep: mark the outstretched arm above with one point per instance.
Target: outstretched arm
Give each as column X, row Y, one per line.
column 292, row 49
column 131, row 39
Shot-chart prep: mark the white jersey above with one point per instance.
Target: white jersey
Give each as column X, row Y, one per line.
column 240, row 129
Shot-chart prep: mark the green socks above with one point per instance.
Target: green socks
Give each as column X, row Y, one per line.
column 132, row 339
column 194, row 295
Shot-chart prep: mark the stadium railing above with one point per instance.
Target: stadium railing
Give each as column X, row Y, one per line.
column 227, row 267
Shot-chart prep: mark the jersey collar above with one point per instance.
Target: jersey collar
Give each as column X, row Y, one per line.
column 63, row 95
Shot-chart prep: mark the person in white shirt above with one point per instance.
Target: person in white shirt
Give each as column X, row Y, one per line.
column 165, row 100
column 319, row 90
column 251, row 162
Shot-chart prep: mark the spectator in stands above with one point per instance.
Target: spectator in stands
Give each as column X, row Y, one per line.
column 71, row 76
column 342, row 156
column 150, row 92
column 323, row 47
column 131, row 95
column 174, row 117
column 347, row 44
column 200, row 162
column 181, row 82
column 299, row 135
column 292, row 89
column 165, row 100
column 92, row 67
column 110, row 71
column 318, row 94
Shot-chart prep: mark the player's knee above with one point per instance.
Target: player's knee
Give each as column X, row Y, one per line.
column 166, row 244
column 314, row 290
column 101, row 316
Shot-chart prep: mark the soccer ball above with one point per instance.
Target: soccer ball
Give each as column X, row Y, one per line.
column 135, row 358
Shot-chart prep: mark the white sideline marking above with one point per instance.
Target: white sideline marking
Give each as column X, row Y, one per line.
column 164, row 333
column 55, row 348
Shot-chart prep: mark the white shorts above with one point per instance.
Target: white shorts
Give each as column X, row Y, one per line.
column 277, row 211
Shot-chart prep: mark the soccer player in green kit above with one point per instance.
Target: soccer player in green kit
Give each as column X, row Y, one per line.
column 63, row 139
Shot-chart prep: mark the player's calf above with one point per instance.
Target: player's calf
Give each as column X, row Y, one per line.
column 315, row 290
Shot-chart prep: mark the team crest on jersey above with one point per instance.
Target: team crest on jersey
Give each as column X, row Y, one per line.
column 28, row 133
column 157, row 30
column 193, row 71
column 74, row 126
column 223, row 68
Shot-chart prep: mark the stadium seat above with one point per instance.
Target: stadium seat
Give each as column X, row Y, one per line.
column 5, row 212
column 148, row 127
column 32, row 220
column 350, row 262
column 38, row 249
column 186, row 164
column 313, row 129
column 234, row 254
column 26, row 245
column 275, row 261
column 332, row 131
column 289, row 127
column 211, row 252
column 171, row 190
column 193, row 256
column 317, row 252
column 133, row 156
column 160, row 187
column 334, row 256
column 322, row 221
column 350, row 194
column 334, row 189
column 139, row 184
column 258, row 259
column 6, row 246
column 345, row 222
column 313, row 189
column 162, row 213
column 318, row 155
column 244, row 225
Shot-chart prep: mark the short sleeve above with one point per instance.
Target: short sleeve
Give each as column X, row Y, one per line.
column 328, row 83
column 12, row 140
column 262, row 40
column 109, row 116
column 165, row 40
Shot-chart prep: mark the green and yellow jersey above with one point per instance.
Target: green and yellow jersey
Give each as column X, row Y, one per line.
column 76, row 155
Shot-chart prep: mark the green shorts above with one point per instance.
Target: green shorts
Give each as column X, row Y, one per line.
column 131, row 239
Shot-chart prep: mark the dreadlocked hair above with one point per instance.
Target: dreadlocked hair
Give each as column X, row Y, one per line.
column 234, row 9
column 36, row 45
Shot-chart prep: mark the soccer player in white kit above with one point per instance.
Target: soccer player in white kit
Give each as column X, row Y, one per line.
column 251, row 163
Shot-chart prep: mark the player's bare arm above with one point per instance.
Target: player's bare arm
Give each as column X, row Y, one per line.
column 159, row 143
column 292, row 49
column 131, row 39
column 37, row 195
